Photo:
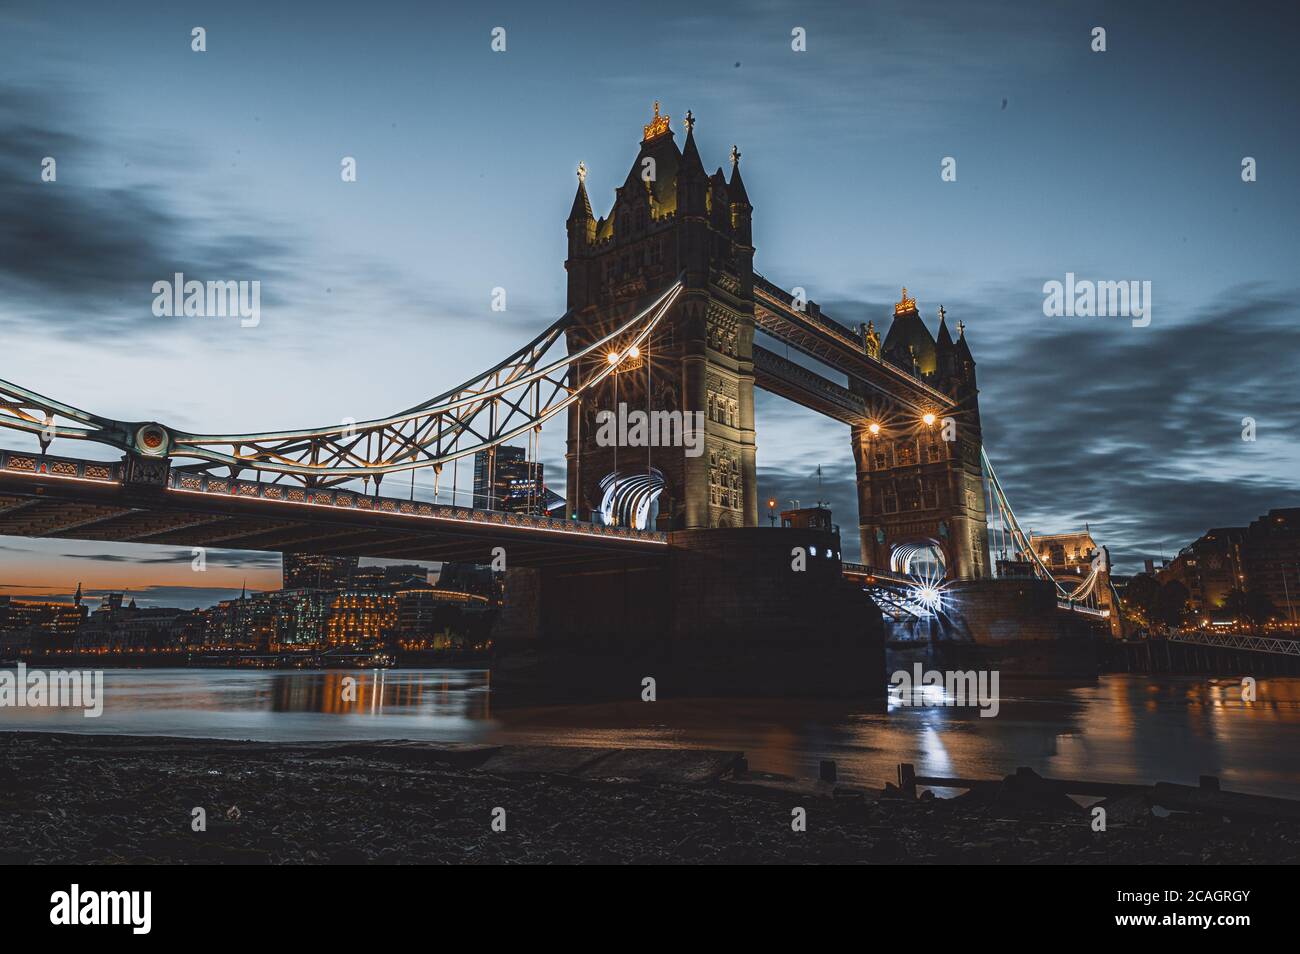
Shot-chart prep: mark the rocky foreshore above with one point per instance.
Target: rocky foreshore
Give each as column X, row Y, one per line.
column 132, row 800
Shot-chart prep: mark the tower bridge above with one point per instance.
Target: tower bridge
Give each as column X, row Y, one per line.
column 659, row 546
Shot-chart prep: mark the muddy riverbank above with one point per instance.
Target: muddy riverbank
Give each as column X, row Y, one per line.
column 117, row 799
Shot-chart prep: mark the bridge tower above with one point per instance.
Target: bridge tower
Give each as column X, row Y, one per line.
column 669, row 218
column 921, row 486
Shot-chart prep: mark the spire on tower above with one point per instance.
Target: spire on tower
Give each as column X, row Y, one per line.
column 943, row 339
column 736, row 187
column 581, row 210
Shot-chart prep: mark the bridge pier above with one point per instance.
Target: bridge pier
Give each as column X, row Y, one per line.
column 725, row 614
column 1012, row 625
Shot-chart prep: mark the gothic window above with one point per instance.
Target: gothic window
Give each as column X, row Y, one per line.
column 932, row 451
column 881, row 460
column 929, row 496
column 906, row 453
column 891, row 502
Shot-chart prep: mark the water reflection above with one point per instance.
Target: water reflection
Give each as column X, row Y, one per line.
column 1122, row 728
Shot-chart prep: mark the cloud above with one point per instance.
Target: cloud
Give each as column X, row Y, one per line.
column 1136, row 432
column 153, row 555
column 85, row 249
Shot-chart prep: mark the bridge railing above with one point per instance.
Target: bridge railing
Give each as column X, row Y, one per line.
column 68, row 468
column 1254, row 644
column 211, row 484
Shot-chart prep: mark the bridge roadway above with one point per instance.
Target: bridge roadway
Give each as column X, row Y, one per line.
column 70, row 498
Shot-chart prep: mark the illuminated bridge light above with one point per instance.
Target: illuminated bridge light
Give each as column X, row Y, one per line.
column 928, row 596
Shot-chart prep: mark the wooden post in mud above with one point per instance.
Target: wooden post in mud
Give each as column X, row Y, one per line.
column 907, row 779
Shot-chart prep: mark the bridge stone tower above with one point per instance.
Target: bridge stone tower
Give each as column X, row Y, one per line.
column 921, row 485
column 669, row 218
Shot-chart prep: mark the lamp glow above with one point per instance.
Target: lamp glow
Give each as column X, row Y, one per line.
column 929, row 420
column 873, row 427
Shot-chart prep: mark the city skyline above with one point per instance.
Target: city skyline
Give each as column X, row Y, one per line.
column 376, row 293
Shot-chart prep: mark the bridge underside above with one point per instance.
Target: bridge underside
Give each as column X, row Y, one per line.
column 38, row 506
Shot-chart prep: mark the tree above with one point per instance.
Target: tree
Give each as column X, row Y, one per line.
column 1250, row 606
column 1141, row 593
column 1171, row 603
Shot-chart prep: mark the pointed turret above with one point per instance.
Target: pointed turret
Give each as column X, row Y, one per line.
column 690, row 154
column 581, row 211
column 653, row 176
column 963, row 364
column 737, row 185
column 909, row 339
column 720, row 201
column 741, row 210
column 962, row 348
column 76, row 599
column 692, row 180
column 581, row 223
column 943, row 340
column 944, row 354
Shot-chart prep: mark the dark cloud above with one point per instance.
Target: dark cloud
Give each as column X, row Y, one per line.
column 1136, row 432
column 143, row 554
column 79, row 251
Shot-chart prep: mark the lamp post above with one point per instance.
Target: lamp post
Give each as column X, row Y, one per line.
column 771, row 511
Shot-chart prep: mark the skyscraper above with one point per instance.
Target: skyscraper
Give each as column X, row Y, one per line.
column 317, row 571
column 511, row 482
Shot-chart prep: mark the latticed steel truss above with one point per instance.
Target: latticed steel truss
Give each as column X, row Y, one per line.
column 511, row 399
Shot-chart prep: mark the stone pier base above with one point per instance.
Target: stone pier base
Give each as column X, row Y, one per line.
column 724, row 612
column 1014, row 626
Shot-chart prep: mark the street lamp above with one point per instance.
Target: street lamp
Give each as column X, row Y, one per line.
column 929, row 419
column 771, row 511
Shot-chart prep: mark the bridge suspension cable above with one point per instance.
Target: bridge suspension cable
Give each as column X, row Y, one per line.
column 517, row 395
column 1086, row 592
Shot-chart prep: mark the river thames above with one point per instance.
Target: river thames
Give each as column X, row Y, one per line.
column 1122, row 728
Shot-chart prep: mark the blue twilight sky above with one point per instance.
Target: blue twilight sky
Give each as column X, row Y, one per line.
column 225, row 165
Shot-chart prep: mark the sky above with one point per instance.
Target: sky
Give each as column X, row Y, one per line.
column 225, row 164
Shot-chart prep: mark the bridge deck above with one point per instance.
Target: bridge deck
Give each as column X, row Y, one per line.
column 68, row 498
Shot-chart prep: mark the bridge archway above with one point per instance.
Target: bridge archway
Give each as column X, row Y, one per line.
column 631, row 499
column 923, row 559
